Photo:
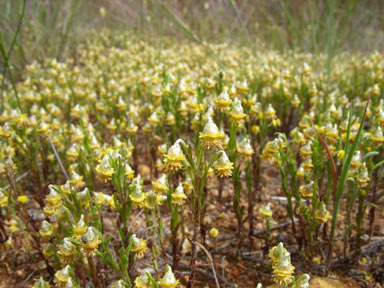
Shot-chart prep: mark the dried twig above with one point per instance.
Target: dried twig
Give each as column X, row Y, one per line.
column 58, row 159
column 210, row 261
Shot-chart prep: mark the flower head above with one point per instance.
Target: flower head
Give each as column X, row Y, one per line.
column 211, row 137
column 90, row 241
column 67, row 250
column 104, row 170
column 223, row 165
column 223, row 101
column 139, row 245
column 41, row 283
column 168, row 280
column 322, row 215
column 137, row 195
column 173, row 160
column 244, row 148
column 178, row 197
column 161, row 184
column 266, row 212
column 237, row 113
column 62, row 276
column 46, row 229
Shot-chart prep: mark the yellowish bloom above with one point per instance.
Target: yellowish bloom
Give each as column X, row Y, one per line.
column 214, row 232
column 244, row 148
column 139, row 246
column 54, row 197
column 121, row 284
column 178, row 197
column 80, row 227
column 237, row 114
column 143, row 281
column 76, row 180
column 67, row 251
column 306, row 190
column 46, row 229
column 168, row 280
column 22, row 199
column 90, row 241
column 104, row 170
column 211, row 137
column 223, row 165
column 266, row 212
column 41, row 283
column 302, row 282
column 173, row 160
column 3, row 198
column 306, row 150
column 48, row 250
column 137, row 195
column 223, row 101
column 62, row 276
column 161, row 184
column 283, row 270
column 322, row 215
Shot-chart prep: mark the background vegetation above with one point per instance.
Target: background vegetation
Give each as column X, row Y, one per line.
column 52, row 28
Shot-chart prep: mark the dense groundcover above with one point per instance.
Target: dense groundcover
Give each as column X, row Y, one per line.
column 189, row 165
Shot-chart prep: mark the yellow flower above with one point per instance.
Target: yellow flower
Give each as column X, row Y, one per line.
column 270, row 113
column 44, row 129
column 48, row 250
column 139, row 246
column 137, row 196
column 128, row 172
column 223, row 101
column 62, row 276
column 121, row 284
column 76, row 180
column 40, row 283
column 306, row 150
column 211, row 136
column 223, row 165
column 161, row 184
column 104, row 170
column 283, row 270
column 168, row 280
column 84, row 198
column 46, row 229
column 307, row 164
column 173, row 160
column 22, row 199
column 363, row 177
column 49, row 210
column 302, row 282
column 306, row 190
column 53, row 198
column 295, row 101
column 321, row 214
column 143, row 281
column 178, row 197
column 80, row 227
column 340, row 154
column 90, row 241
column 214, row 233
column 244, row 148
column 66, row 188
column 67, row 251
column 3, row 198
column 276, row 252
column 378, row 137
column 237, row 113
column 266, row 212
